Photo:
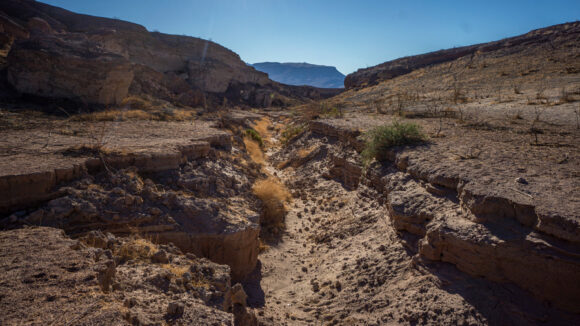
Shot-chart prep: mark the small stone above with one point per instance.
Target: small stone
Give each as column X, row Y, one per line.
column 118, row 191
column 304, row 269
column 175, row 309
column 521, row 180
column 160, row 257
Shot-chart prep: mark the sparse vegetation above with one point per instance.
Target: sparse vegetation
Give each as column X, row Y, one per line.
column 254, row 150
column 273, row 195
column 254, row 135
column 323, row 109
column 136, row 249
column 160, row 114
column 292, row 131
column 381, row 138
column 565, row 96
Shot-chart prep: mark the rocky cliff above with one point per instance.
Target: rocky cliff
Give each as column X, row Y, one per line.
column 556, row 36
column 302, row 74
column 53, row 53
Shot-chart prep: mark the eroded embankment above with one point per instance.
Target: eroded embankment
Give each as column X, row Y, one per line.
column 402, row 243
column 448, row 216
column 195, row 194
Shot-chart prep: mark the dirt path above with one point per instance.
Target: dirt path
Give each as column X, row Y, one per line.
column 335, row 256
column 339, row 261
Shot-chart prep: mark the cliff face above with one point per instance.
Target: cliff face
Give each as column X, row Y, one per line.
column 553, row 36
column 302, row 74
column 54, row 53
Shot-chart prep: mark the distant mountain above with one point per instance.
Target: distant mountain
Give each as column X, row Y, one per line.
column 302, row 74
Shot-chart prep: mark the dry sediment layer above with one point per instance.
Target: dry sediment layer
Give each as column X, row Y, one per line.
column 107, row 193
column 49, row 278
column 485, row 230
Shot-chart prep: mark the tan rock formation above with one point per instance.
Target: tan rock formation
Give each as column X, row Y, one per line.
column 446, row 215
column 68, row 67
column 104, row 60
column 114, row 282
column 554, row 36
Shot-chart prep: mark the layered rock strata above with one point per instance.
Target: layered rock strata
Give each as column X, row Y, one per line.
column 447, row 215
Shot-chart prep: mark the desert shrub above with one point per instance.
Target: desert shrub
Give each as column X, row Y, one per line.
column 263, row 126
column 136, row 103
column 323, row 109
column 291, row 132
column 273, row 195
column 254, row 135
column 254, row 150
column 136, row 249
column 381, row 138
column 332, row 112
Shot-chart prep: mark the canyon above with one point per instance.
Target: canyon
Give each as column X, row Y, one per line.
column 153, row 179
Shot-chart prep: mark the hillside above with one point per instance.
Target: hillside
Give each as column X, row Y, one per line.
column 553, row 38
column 437, row 189
column 302, row 74
column 53, row 53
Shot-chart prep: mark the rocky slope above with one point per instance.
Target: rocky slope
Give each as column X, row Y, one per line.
column 552, row 38
column 423, row 238
column 48, row 278
column 302, row 74
column 53, row 53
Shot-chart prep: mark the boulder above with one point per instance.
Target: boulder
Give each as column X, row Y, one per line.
column 68, row 67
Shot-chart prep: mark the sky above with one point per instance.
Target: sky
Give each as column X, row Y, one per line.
column 347, row 34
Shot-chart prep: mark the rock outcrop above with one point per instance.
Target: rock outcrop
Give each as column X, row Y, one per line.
column 105, row 280
column 554, row 36
column 177, row 184
column 57, row 54
column 70, row 67
column 444, row 213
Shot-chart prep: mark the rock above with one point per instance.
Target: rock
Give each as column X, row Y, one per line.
column 160, row 257
column 39, row 25
column 107, row 59
column 235, row 296
column 79, row 70
column 105, row 274
column 391, row 69
column 175, row 309
column 96, row 239
column 39, row 262
column 521, row 180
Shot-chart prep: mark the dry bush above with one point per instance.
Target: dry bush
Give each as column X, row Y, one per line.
column 157, row 114
column 298, row 159
column 137, row 103
column 292, row 132
column 565, row 96
column 273, row 195
column 136, row 249
column 175, row 269
column 322, row 109
column 262, row 127
column 255, row 151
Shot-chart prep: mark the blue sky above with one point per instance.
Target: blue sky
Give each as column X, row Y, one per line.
column 346, row 34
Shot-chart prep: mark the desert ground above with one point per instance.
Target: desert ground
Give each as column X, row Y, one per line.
column 440, row 189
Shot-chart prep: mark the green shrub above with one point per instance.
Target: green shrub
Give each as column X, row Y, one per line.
column 381, row 138
column 291, row 132
column 255, row 136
